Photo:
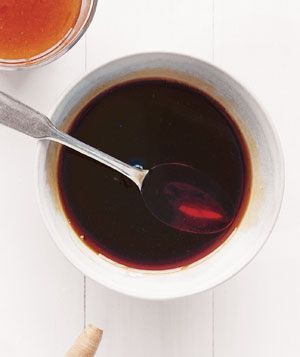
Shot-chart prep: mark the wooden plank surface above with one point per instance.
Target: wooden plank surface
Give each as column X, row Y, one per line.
column 42, row 304
column 41, row 299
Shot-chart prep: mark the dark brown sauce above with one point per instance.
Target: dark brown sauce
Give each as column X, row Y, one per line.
column 146, row 123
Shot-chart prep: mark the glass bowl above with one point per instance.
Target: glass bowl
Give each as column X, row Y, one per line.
column 87, row 11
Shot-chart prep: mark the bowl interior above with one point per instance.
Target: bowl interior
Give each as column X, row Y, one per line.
column 265, row 196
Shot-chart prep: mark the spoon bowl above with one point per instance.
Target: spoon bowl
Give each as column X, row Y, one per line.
column 186, row 199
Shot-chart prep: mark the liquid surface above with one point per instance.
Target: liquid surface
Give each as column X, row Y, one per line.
column 31, row 27
column 148, row 123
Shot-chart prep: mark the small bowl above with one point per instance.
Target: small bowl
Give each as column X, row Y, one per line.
column 266, row 187
column 87, row 11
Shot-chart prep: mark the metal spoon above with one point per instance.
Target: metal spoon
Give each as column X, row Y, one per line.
column 176, row 194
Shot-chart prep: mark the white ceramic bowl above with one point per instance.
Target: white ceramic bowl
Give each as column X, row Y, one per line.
column 265, row 197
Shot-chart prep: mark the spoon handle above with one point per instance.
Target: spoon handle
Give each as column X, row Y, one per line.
column 134, row 174
column 19, row 116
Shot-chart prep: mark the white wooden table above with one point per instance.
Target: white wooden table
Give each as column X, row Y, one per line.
column 45, row 301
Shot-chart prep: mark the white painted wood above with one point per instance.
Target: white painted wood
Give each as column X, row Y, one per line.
column 135, row 328
column 122, row 27
column 258, row 312
column 132, row 327
column 41, row 299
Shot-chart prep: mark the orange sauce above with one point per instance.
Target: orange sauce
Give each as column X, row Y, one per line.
column 31, row 27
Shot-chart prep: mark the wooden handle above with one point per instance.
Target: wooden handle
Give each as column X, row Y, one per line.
column 87, row 343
